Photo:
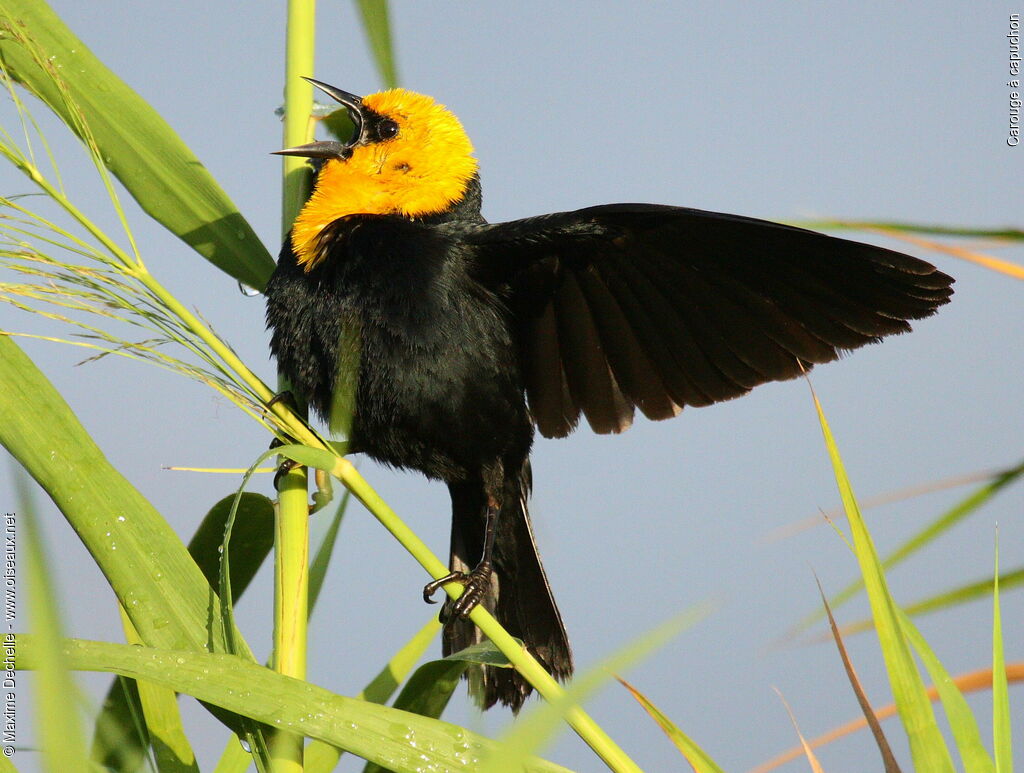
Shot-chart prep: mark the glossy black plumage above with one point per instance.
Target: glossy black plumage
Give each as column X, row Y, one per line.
column 591, row 312
column 448, row 340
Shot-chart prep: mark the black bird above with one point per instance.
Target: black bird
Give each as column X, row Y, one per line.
column 445, row 340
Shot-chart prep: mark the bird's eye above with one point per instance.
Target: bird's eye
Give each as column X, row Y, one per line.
column 387, row 129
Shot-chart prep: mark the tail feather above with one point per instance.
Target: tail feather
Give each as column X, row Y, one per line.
column 520, row 596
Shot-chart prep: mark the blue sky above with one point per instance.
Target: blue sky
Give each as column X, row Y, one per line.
column 784, row 111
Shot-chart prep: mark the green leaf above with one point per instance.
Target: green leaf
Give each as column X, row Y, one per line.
column 251, row 540
column 429, row 689
column 975, row 500
column 959, row 595
column 378, row 34
column 145, row 154
column 164, row 593
column 163, row 724
column 483, row 653
column 116, row 744
column 961, row 721
column 927, row 747
column 427, row 693
column 310, row 457
column 536, row 728
column 699, row 760
column 322, row 558
column 120, row 739
column 384, row 684
column 1002, row 735
column 323, row 758
column 61, row 737
column 377, row 733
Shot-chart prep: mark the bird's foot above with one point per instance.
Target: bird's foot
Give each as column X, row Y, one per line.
column 286, row 397
column 285, row 467
column 475, row 584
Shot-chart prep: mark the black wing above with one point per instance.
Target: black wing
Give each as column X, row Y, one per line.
column 656, row 307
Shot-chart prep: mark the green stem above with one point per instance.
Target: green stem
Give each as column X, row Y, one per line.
column 291, row 548
column 298, row 107
column 33, row 173
column 587, row 729
column 291, row 592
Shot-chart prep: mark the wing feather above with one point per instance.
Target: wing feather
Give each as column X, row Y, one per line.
column 590, row 379
column 691, row 378
column 661, row 307
column 552, row 406
column 638, row 380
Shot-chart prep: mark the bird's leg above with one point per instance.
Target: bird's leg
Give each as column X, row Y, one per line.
column 477, row 582
column 324, row 492
column 287, row 465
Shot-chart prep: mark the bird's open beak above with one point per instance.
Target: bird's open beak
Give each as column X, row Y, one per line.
column 332, row 148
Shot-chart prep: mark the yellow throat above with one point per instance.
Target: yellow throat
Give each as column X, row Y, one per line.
column 423, row 170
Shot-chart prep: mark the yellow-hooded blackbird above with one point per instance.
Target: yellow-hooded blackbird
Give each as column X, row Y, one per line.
column 449, row 339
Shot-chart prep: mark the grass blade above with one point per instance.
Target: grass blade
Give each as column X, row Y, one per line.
column 162, row 719
column 539, row 726
column 322, row 558
column 251, row 541
column 145, row 154
column 61, row 736
column 972, row 681
column 699, row 760
column 1009, row 234
column 959, row 595
column 377, row 733
column 888, row 759
column 972, row 751
column 383, row 686
column 119, row 527
column 812, row 760
column 927, row 747
column 972, row 502
column 971, row 256
column 120, row 740
column 892, row 496
column 322, row 757
column 427, row 693
column 374, row 14
column 1002, row 736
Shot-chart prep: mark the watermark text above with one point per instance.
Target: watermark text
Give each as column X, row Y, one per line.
column 8, row 679
column 1013, row 135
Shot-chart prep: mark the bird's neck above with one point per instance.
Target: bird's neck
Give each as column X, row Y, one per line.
column 343, row 191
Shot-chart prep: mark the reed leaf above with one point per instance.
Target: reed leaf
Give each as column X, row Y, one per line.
column 145, row 153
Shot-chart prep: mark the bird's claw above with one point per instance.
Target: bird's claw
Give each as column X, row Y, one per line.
column 435, row 585
column 286, row 466
column 474, row 584
column 286, row 397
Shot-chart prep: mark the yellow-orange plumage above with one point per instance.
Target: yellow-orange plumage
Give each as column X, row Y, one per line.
column 421, row 171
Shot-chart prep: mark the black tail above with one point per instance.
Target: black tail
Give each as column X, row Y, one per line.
column 520, row 597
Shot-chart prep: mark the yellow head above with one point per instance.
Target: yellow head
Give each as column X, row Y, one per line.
column 410, row 156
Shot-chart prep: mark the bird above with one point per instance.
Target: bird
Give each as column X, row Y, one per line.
column 442, row 343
